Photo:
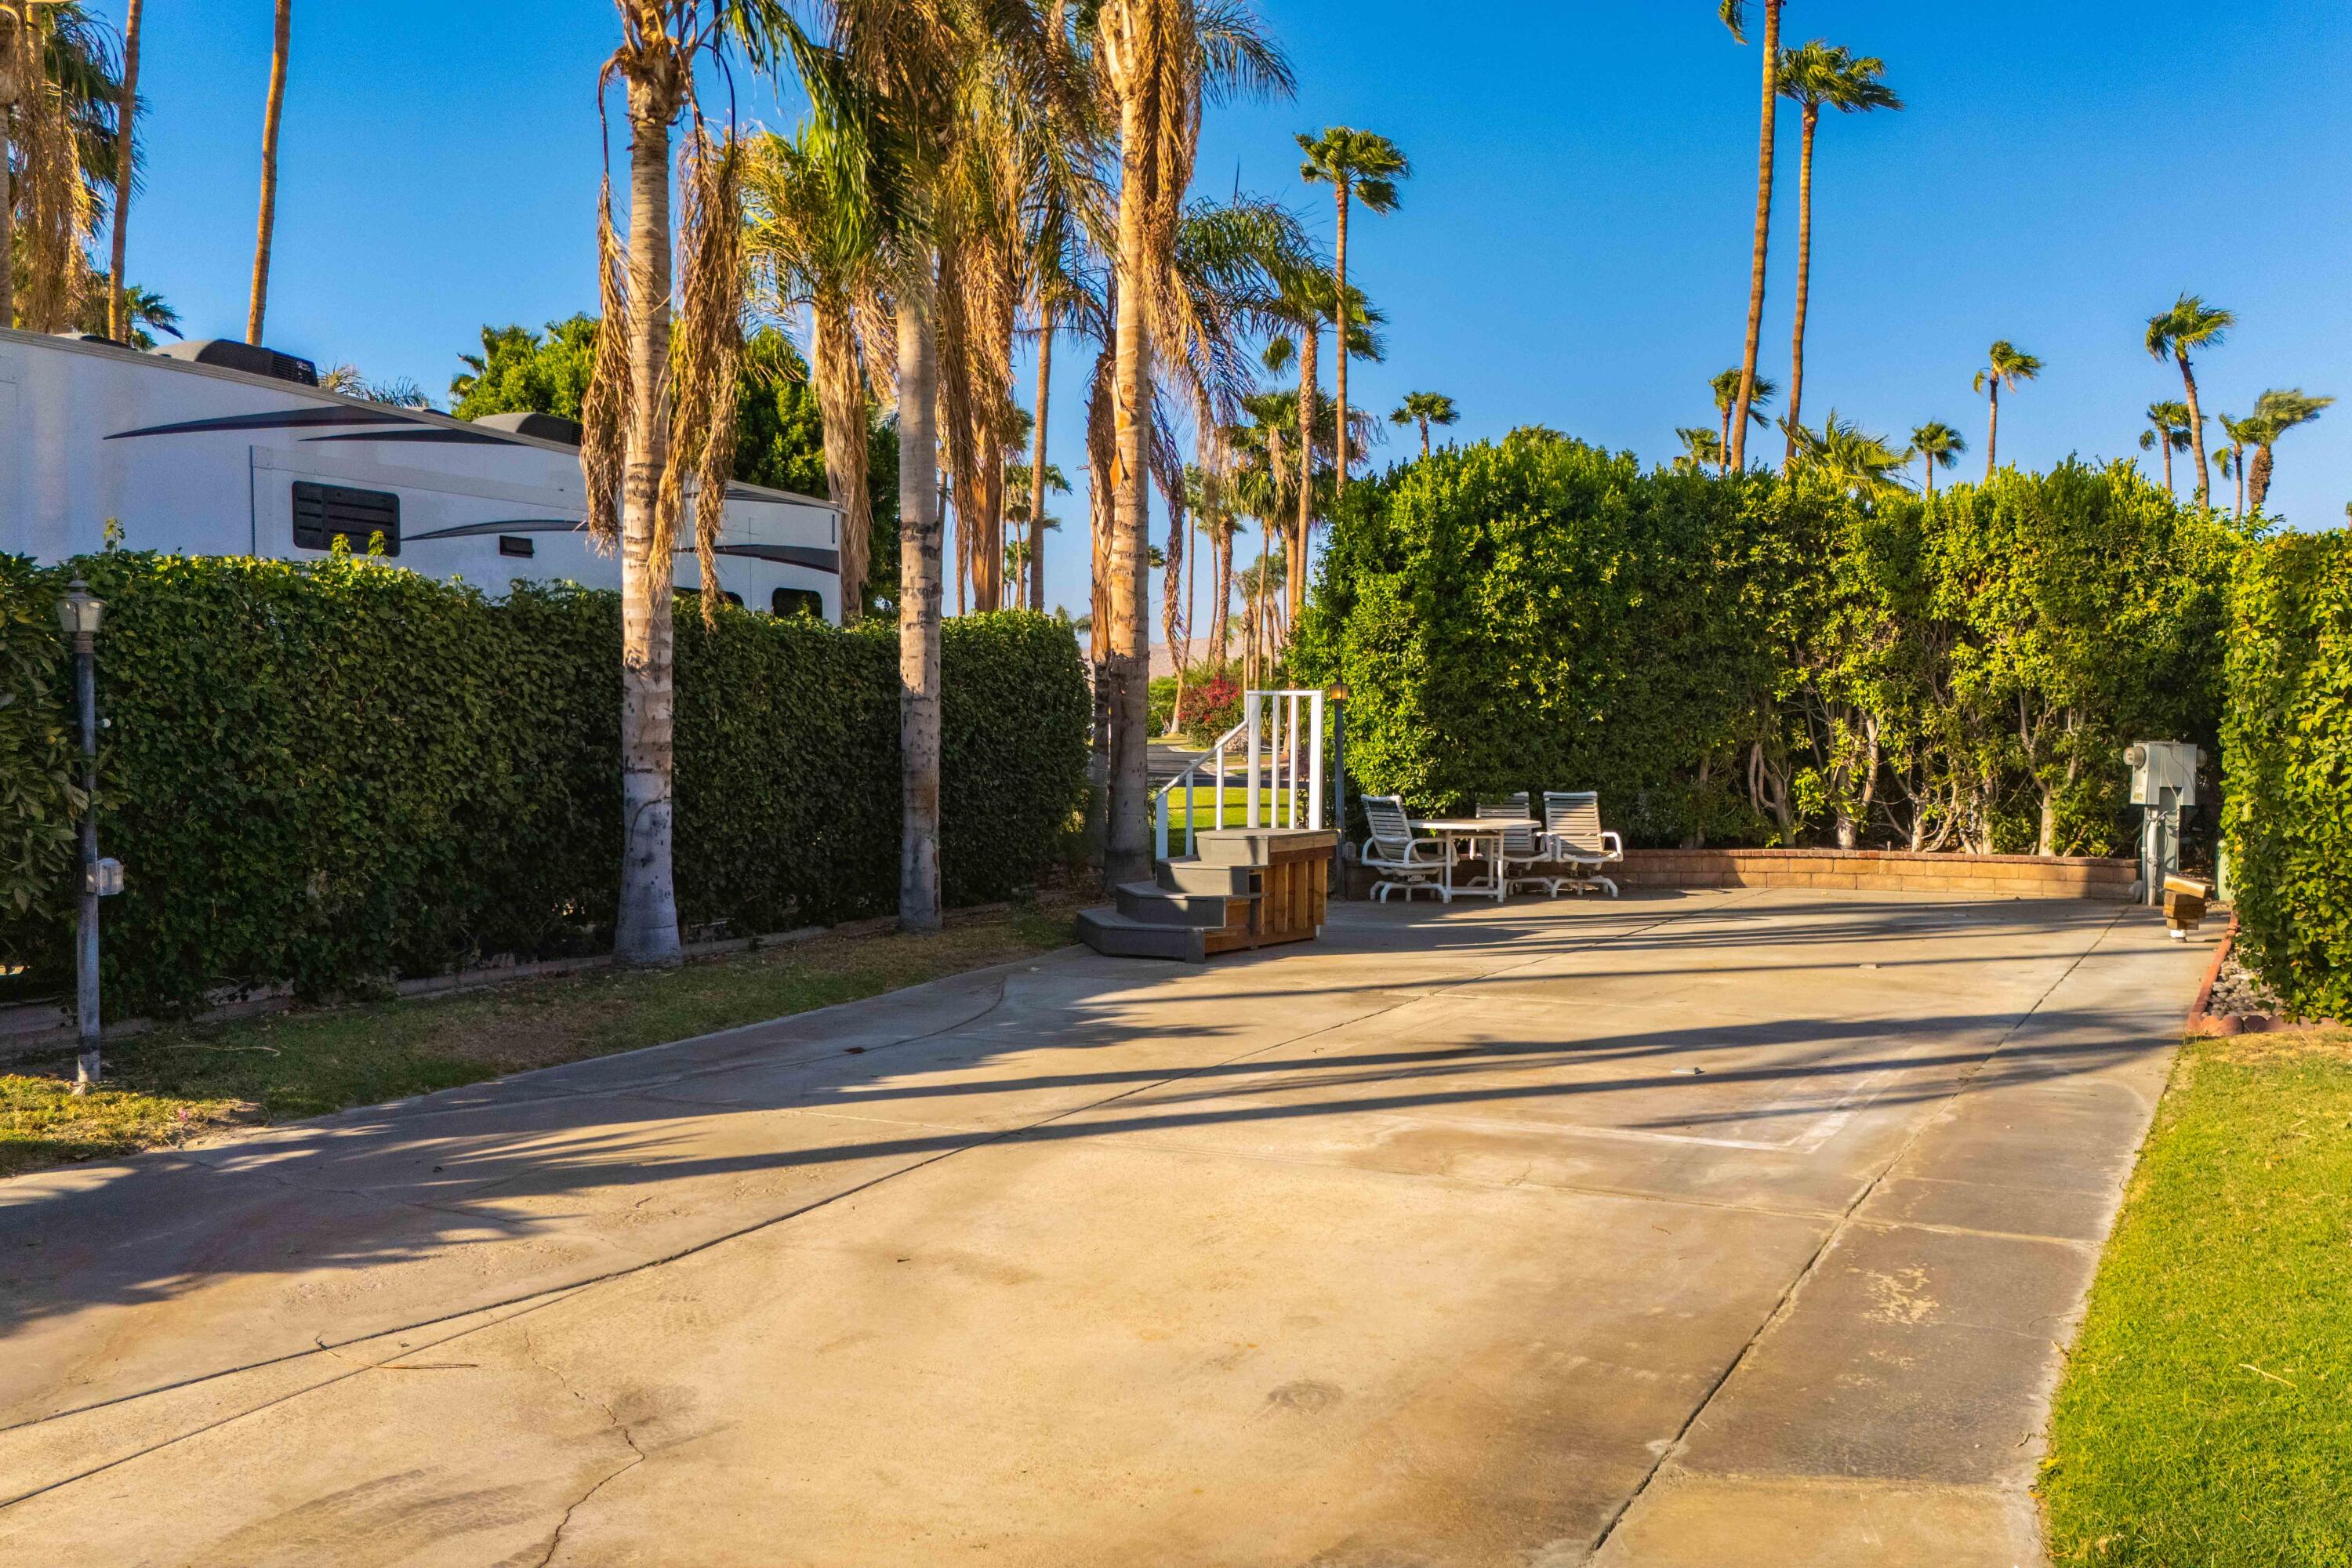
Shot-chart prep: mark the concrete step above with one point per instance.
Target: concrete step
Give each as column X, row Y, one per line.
column 1151, row 904
column 1113, row 934
column 1255, row 846
column 1194, row 876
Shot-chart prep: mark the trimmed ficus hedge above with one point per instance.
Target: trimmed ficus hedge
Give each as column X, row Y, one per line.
column 321, row 774
column 1769, row 660
column 2286, row 750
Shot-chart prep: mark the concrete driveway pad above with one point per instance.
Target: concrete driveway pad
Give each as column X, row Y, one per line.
column 1681, row 1229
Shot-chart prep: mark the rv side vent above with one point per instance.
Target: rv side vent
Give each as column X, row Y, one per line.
column 227, row 353
column 540, row 426
column 324, row 512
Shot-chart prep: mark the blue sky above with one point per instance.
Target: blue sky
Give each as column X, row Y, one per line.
column 1572, row 249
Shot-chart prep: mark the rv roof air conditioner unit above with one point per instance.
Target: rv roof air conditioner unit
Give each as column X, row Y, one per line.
column 227, row 353
column 540, row 426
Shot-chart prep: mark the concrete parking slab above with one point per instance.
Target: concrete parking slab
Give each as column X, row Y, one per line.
column 1470, row 1236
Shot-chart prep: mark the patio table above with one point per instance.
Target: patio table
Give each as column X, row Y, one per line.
column 1456, row 831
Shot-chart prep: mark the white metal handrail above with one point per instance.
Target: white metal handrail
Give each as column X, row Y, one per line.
column 1276, row 732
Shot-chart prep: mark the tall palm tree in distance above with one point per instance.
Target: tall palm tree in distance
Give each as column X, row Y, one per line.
column 118, row 308
column 1365, row 166
column 1815, row 76
column 1761, row 391
column 1940, row 446
column 1424, row 409
column 1735, row 17
column 2279, row 410
column 265, row 230
column 2191, row 323
column 2239, row 435
column 2168, row 433
column 2006, row 365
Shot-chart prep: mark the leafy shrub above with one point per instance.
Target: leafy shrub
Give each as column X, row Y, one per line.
column 2286, row 750
column 1211, row 707
column 320, row 775
column 1769, row 660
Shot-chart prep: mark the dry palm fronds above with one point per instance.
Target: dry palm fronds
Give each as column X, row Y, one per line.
column 605, row 411
column 54, row 212
column 706, row 354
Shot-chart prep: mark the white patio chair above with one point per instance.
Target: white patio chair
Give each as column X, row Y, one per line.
column 1402, row 860
column 1524, row 848
column 1579, row 842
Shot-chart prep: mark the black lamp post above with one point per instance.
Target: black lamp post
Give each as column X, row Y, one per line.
column 80, row 613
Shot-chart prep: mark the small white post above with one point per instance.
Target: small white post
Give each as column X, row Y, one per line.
column 1315, row 764
column 1249, row 716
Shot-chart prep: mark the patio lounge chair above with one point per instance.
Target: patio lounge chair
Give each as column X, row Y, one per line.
column 1402, row 860
column 1524, row 848
column 1579, row 842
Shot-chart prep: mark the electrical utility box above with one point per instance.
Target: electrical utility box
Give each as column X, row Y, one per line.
column 2162, row 768
column 2164, row 779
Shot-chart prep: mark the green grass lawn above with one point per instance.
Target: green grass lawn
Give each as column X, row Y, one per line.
column 168, row 1086
column 2206, row 1417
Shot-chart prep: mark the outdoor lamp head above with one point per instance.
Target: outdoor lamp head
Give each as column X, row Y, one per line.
column 80, row 610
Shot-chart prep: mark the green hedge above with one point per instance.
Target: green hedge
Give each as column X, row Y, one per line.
column 319, row 775
column 2287, row 754
column 1769, row 660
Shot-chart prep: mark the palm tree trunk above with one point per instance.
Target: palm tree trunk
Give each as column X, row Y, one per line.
column 1993, row 426
column 1931, row 475
column 117, row 304
column 1224, row 595
column 646, row 929
column 1425, row 440
column 919, row 604
column 2196, row 430
column 11, row 89
column 1309, row 394
column 964, row 546
column 1128, row 854
column 1037, row 462
column 1344, row 189
column 1738, row 441
column 2258, row 483
column 1723, row 452
column 841, row 408
column 1812, row 117
column 2238, row 467
column 263, row 231
column 2164, row 444
column 1173, row 603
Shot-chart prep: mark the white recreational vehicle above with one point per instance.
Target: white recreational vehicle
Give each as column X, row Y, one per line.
column 222, row 448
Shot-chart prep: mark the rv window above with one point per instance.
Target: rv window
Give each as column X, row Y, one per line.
column 798, row 602
column 517, row 544
column 696, row 595
column 324, row 512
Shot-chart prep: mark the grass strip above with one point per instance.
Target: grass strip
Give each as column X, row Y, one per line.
column 172, row 1085
column 2206, row 1415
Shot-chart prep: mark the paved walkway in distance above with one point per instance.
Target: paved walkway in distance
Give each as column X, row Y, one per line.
column 1714, row 1228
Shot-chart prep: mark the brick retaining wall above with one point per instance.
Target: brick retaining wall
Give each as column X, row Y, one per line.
column 1862, row 870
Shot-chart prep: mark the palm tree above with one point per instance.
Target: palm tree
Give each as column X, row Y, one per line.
column 1157, row 60
column 2168, row 434
column 2279, row 410
column 1702, row 450
column 1424, row 409
column 660, row 413
column 809, row 246
column 264, row 231
column 1365, row 166
column 118, row 315
column 1812, row 77
column 2009, row 366
column 1848, row 453
column 1940, row 445
column 2252, row 431
column 57, row 89
column 2191, row 323
column 1735, row 17
column 1761, row 391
